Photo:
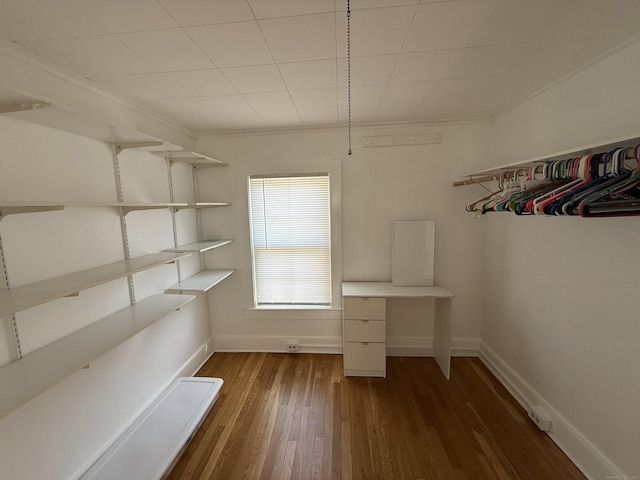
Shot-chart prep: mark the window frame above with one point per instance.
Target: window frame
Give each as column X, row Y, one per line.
column 290, row 167
column 332, row 280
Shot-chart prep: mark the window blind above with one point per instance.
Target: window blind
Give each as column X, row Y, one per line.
column 291, row 239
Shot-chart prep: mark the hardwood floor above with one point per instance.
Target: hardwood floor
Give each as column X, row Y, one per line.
column 294, row 416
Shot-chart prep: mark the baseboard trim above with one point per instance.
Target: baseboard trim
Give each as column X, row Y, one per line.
column 396, row 346
column 586, row 456
column 423, row 347
column 409, row 347
column 275, row 343
column 197, row 360
column 465, row 347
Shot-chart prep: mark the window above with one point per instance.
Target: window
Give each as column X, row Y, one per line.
column 291, row 239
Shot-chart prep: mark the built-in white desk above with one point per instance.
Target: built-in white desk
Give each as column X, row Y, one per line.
column 363, row 325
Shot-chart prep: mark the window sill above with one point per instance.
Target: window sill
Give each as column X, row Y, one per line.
column 296, row 312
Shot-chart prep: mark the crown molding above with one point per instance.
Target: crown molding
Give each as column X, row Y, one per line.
column 341, row 128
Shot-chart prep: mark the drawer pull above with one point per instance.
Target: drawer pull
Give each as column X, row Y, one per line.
column 367, row 321
column 365, row 343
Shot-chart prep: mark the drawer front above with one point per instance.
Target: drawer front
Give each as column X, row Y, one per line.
column 363, row 330
column 364, row 356
column 363, row 308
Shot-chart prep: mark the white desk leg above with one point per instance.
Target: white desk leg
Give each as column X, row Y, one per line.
column 442, row 335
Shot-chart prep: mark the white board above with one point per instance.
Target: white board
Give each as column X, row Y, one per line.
column 413, row 252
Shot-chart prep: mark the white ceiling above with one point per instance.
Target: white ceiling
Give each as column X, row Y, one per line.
column 248, row 64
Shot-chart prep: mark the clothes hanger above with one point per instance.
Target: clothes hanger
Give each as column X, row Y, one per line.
column 573, row 171
column 523, row 204
column 531, row 185
column 589, row 174
column 621, row 198
column 610, row 170
column 525, row 184
column 514, row 184
column 477, row 205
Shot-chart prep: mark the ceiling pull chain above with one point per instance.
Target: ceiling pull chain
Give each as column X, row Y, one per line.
column 349, row 69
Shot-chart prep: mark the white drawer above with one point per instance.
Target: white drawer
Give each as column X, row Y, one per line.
column 364, row 308
column 363, row 330
column 364, row 356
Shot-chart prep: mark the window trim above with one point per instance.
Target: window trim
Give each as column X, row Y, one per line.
column 333, row 167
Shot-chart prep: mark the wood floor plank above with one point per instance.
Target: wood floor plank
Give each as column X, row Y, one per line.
column 295, row 416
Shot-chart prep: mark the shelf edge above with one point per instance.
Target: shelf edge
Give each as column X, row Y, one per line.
column 626, row 141
column 40, row 292
column 177, row 288
column 183, row 248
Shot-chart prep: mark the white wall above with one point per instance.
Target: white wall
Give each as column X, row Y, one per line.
column 379, row 185
column 58, row 434
column 561, row 319
column 555, row 295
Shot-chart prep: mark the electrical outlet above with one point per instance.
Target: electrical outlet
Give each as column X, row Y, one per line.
column 540, row 417
column 293, row 345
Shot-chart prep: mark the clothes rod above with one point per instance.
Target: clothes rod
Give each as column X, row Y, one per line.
column 471, row 181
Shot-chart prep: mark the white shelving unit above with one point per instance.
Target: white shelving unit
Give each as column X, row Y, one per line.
column 196, row 159
column 205, row 279
column 201, row 282
column 23, row 297
column 48, row 113
column 43, row 368
column 200, row 247
column 36, row 371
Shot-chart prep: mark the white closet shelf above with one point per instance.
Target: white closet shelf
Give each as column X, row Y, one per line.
column 41, row 112
column 194, row 158
column 202, row 246
column 43, row 368
column 201, row 282
column 47, row 113
column 120, row 146
column 201, row 205
column 131, row 207
column 8, row 208
column 26, row 296
column 23, row 106
column 175, row 155
column 16, row 102
column 627, row 141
